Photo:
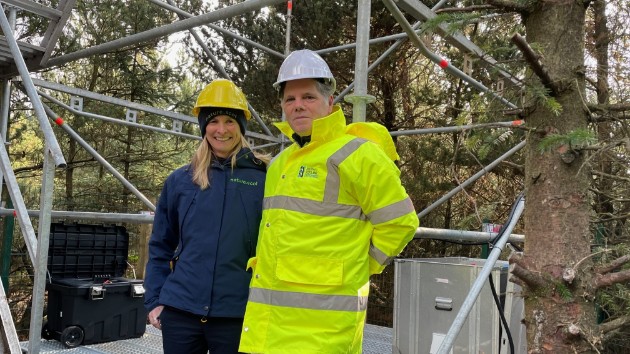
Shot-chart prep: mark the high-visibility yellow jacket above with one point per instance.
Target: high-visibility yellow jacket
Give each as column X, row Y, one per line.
column 334, row 213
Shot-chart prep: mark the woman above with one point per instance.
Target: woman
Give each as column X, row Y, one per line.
column 205, row 229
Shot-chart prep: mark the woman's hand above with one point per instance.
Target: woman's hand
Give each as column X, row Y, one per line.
column 154, row 317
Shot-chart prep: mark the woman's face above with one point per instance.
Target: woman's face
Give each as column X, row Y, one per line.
column 223, row 134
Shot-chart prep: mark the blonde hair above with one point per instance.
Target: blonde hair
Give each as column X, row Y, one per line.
column 202, row 159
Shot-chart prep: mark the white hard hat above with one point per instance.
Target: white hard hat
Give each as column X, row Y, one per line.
column 304, row 64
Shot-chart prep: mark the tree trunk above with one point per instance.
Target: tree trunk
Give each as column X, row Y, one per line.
column 604, row 205
column 560, row 316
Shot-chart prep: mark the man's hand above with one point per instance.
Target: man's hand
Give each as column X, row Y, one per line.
column 154, row 317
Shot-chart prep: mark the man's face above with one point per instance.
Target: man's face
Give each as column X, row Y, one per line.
column 302, row 103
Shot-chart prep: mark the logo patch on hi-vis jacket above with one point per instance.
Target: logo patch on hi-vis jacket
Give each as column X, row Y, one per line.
column 242, row 181
column 309, row 172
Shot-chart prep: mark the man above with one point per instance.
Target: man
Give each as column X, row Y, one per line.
column 334, row 213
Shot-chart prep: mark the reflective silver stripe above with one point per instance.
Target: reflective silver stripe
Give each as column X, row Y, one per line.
column 313, row 207
column 391, row 211
column 331, row 190
column 379, row 255
column 308, row 301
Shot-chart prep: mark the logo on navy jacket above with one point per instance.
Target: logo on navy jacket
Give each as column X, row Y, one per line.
column 243, row 181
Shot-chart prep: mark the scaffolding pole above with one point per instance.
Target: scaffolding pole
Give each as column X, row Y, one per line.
column 400, row 39
column 116, row 120
column 421, row 12
column 131, row 105
column 470, row 180
column 360, row 98
column 18, row 202
column 8, row 327
column 287, row 39
column 76, row 137
column 213, row 58
column 113, row 100
column 443, row 63
column 462, row 236
column 41, row 262
column 159, row 32
column 9, row 333
column 49, row 136
column 171, row 7
column 86, row 215
column 510, row 124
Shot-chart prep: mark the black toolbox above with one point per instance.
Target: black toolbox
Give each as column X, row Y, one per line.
column 89, row 300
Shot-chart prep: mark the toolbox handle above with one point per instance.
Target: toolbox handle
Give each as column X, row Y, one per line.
column 97, row 292
column 137, row 290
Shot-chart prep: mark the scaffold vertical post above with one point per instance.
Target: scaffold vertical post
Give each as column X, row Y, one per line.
column 360, row 97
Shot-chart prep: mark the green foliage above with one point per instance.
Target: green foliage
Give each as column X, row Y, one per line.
column 484, row 144
column 453, row 22
column 575, row 140
column 541, row 96
column 564, row 292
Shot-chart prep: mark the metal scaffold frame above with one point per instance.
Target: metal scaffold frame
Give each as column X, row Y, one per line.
column 21, row 59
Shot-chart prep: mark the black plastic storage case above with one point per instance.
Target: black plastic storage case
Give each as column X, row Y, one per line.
column 88, row 299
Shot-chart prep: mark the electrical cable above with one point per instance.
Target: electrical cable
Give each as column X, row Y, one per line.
column 494, row 293
column 520, row 196
column 503, row 320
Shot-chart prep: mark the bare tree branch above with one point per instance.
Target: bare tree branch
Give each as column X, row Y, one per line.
column 608, row 117
column 510, row 5
column 533, row 60
column 533, row 280
column 609, row 107
column 615, row 324
column 466, row 9
column 602, row 281
column 617, row 178
column 614, row 264
column 618, row 217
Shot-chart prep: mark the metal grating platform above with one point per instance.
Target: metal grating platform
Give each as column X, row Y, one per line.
column 377, row 340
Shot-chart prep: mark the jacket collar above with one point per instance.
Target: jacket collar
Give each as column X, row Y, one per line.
column 324, row 129
column 244, row 159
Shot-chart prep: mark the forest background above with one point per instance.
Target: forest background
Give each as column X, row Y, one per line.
column 575, row 168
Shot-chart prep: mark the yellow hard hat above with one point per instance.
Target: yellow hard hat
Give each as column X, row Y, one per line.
column 222, row 93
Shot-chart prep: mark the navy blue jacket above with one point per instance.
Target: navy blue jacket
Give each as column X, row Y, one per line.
column 207, row 236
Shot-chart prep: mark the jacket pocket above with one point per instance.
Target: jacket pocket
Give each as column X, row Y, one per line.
column 310, row 270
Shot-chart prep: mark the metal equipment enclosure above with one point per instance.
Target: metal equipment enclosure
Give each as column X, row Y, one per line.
column 430, row 291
